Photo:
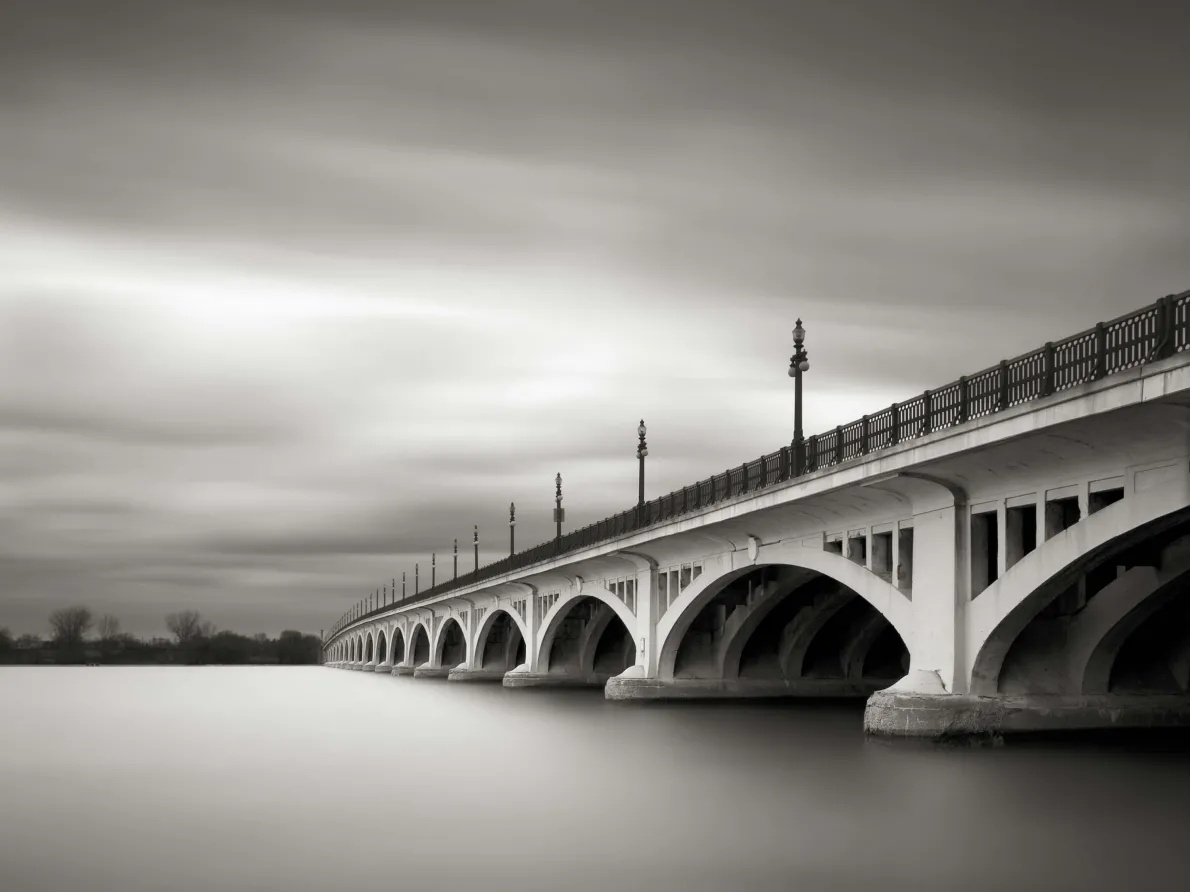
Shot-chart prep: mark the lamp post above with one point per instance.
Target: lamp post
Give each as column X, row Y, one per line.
column 456, row 570
column 642, row 449
column 402, row 585
column 433, row 569
column 416, row 579
column 559, row 513
column 477, row 548
column 511, row 528
column 798, row 364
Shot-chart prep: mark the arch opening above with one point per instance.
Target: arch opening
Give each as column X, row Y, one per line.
column 398, row 647
column 420, row 645
column 503, row 645
column 1117, row 621
column 452, row 645
column 381, row 647
column 1155, row 658
column 368, row 650
column 589, row 641
column 782, row 628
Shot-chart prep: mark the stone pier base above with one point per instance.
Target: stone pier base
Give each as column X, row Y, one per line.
column 488, row 675
column 431, row 672
column 956, row 716
column 515, row 679
column 382, row 668
column 402, row 670
column 635, row 688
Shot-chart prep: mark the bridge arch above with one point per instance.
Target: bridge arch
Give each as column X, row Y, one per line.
column 381, row 647
column 1000, row 615
column 566, row 601
column 359, row 648
column 450, row 645
column 419, row 644
column 793, row 566
column 397, row 645
column 572, row 640
column 369, row 648
column 510, row 628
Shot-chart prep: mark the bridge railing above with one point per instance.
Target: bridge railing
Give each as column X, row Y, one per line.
column 1153, row 332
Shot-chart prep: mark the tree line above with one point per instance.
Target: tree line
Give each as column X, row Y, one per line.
column 194, row 641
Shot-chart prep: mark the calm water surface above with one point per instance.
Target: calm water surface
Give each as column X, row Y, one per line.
column 163, row 779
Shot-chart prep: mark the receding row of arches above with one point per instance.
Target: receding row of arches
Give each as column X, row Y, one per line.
column 1109, row 617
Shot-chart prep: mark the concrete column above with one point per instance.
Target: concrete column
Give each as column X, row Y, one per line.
column 941, row 590
column 941, row 544
column 924, row 698
column 474, row 658
column 533, row 623
column 648, row 611
column 1001, row 539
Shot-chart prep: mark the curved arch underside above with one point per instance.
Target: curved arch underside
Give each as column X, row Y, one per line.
column 419, row 645
column 500, row 643
column 1116, row 621
column 586, row 642
column 398, row 646
column 451, row 649
column 780, row 629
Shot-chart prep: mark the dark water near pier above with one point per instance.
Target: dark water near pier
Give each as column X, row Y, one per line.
column 188, row 780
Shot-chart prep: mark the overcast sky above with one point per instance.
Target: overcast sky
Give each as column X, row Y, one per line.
column 294, row 293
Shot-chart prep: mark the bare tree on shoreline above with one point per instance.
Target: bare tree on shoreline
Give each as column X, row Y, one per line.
column 185, row 625
column 108, row 627
column 70, row 624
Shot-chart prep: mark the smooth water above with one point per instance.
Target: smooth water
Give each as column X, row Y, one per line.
column 163, row 779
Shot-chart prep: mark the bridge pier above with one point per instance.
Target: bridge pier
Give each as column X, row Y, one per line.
column 970, row 716
column 460, row 673
column 426, row 671
column 640, row 688
column 515, row 679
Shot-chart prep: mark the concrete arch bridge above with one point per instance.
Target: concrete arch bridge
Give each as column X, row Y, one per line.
column 1011, row 554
